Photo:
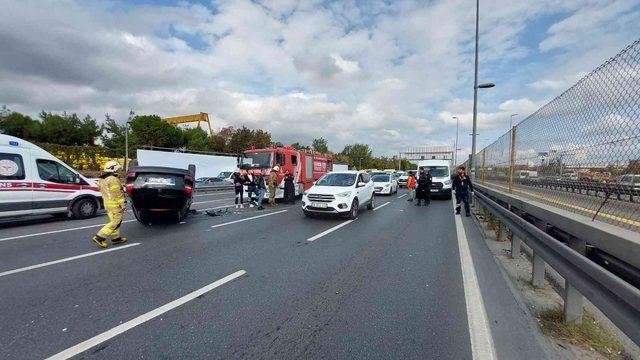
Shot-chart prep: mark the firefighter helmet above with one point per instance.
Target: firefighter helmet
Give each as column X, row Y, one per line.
column 276, row 168
column 112, row 166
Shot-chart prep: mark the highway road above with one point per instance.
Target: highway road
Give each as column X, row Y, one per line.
column 621, row 213
column 399, row 282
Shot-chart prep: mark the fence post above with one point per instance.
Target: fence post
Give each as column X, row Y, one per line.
column 484, row 159
column 512, row 159
column 573, row 300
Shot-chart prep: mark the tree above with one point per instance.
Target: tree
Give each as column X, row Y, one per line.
column 261, row 138
column 112, row 134
column 196, row 139
column 68, row 129
column 217, row 143
column 299, row 146
column 320, row 145
column 240, row 141
column 16, row 124
column 359, row 155
column 152, row 131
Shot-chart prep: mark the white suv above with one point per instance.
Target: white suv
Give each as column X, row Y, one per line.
column 341, row 192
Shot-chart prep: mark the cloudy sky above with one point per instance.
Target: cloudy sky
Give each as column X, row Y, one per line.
column 388, row 73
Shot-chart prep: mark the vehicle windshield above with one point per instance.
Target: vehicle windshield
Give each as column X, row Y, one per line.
column 380, row 178
column 438, row 171
column 257, row 160
column 224, row 174
column 337, row 180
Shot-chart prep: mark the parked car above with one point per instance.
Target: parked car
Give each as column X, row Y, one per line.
column 402, row 180
column 160, row 193
column 632, row 180
column 384, row 184
column 341, row 193
column 34, row 182
column 212, row 182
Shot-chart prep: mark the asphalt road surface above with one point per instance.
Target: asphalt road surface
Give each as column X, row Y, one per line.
column 397, row 283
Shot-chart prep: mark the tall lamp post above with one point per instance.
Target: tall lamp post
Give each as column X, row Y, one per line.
column 472, row 159
column 455, row 153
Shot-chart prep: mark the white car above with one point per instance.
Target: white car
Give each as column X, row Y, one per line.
column 340, row 193
column 384, row 184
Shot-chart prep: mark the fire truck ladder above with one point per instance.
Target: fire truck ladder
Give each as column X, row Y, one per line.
column 197, row 118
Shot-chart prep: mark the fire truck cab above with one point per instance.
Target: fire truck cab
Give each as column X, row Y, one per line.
column 306, row 167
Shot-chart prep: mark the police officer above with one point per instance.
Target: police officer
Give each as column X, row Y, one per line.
column 273, row 184
column 114, row 203
column 462, row 185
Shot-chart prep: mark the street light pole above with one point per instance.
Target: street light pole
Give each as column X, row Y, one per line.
column 472, row 163
column 455, row 154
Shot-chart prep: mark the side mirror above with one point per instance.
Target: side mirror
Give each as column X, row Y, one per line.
column 76, row 179
column 362, row 184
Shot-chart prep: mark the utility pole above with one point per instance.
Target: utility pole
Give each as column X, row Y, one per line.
column 475, row 98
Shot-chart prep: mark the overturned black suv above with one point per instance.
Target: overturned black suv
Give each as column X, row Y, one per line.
column 160, row 193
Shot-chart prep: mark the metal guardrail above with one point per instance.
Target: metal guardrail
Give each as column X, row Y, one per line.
column 612, row 190
column 617, row 299
column 213, row 188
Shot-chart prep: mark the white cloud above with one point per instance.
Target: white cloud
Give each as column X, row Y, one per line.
column 388, row 73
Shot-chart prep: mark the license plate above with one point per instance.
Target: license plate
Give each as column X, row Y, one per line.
column 434, row 190
column 160, row 181
column 319, row 205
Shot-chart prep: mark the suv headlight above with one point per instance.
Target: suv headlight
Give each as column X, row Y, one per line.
column 386, row 185
column 447, row 182
column 305, row 193
column 344, row 194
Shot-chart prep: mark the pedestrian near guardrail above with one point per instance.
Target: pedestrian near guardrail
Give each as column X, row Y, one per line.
column 462, row 186
column 238, row 185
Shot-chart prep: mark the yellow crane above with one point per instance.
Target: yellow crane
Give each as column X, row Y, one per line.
column 197, row 118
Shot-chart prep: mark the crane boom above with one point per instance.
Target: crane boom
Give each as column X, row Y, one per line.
column 197, row 118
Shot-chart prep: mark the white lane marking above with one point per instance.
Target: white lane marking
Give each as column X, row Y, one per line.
column 58, row 231
column 328, row 231
column 210, row 201
column 401, row 196
column 109, row 334
column 381, row 206
column 479, row 331
column 66, row 259
column 249, row 218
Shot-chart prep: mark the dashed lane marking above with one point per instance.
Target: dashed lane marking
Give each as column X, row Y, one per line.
column 330, row 230
column 109, row 334
column 58, row 231
column 381, row 206
column 249, row 218
column 37, row 266
column 401, row 196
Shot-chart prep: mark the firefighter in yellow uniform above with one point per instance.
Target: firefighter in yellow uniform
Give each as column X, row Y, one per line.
column 114, row 203
column 273, row 185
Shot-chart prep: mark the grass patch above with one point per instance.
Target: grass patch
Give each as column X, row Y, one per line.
column 589, row 334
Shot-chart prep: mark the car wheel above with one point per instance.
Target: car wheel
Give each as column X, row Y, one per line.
column 355, row 207
column 307, row 213
column 372, row 203
column 84, row 208
column 142, row 217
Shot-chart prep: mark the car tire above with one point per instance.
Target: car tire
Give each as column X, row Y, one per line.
column 307, row 213
column 372, row 204
column 355, row 207
column 84, row 208
column 142, row 217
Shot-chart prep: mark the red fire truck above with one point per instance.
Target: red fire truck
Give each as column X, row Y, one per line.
column 306, row 166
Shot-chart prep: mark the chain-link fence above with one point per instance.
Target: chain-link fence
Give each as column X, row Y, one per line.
column 581, row 151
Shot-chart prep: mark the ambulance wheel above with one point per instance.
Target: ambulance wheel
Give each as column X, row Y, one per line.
column 84, row 208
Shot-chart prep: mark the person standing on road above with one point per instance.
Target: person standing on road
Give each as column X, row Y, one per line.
column 238, row 186
column 411, row 187
column 429, row 183
column 289, row 188
column 273, row 184
column 462, row 186
column 423, row 188
column 250, row 182
column 262, row 188
column 114, row 203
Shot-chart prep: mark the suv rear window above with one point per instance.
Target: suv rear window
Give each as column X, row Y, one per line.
column 11, row 167
column 154, row 180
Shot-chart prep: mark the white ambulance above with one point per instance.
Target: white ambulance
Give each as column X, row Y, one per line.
column 32, row 182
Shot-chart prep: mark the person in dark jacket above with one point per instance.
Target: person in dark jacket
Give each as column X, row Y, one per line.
column 423, row 190
column 462, row 186
column 289, row 188
column 250, row 182
column 238, row 186
column 261, row 186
